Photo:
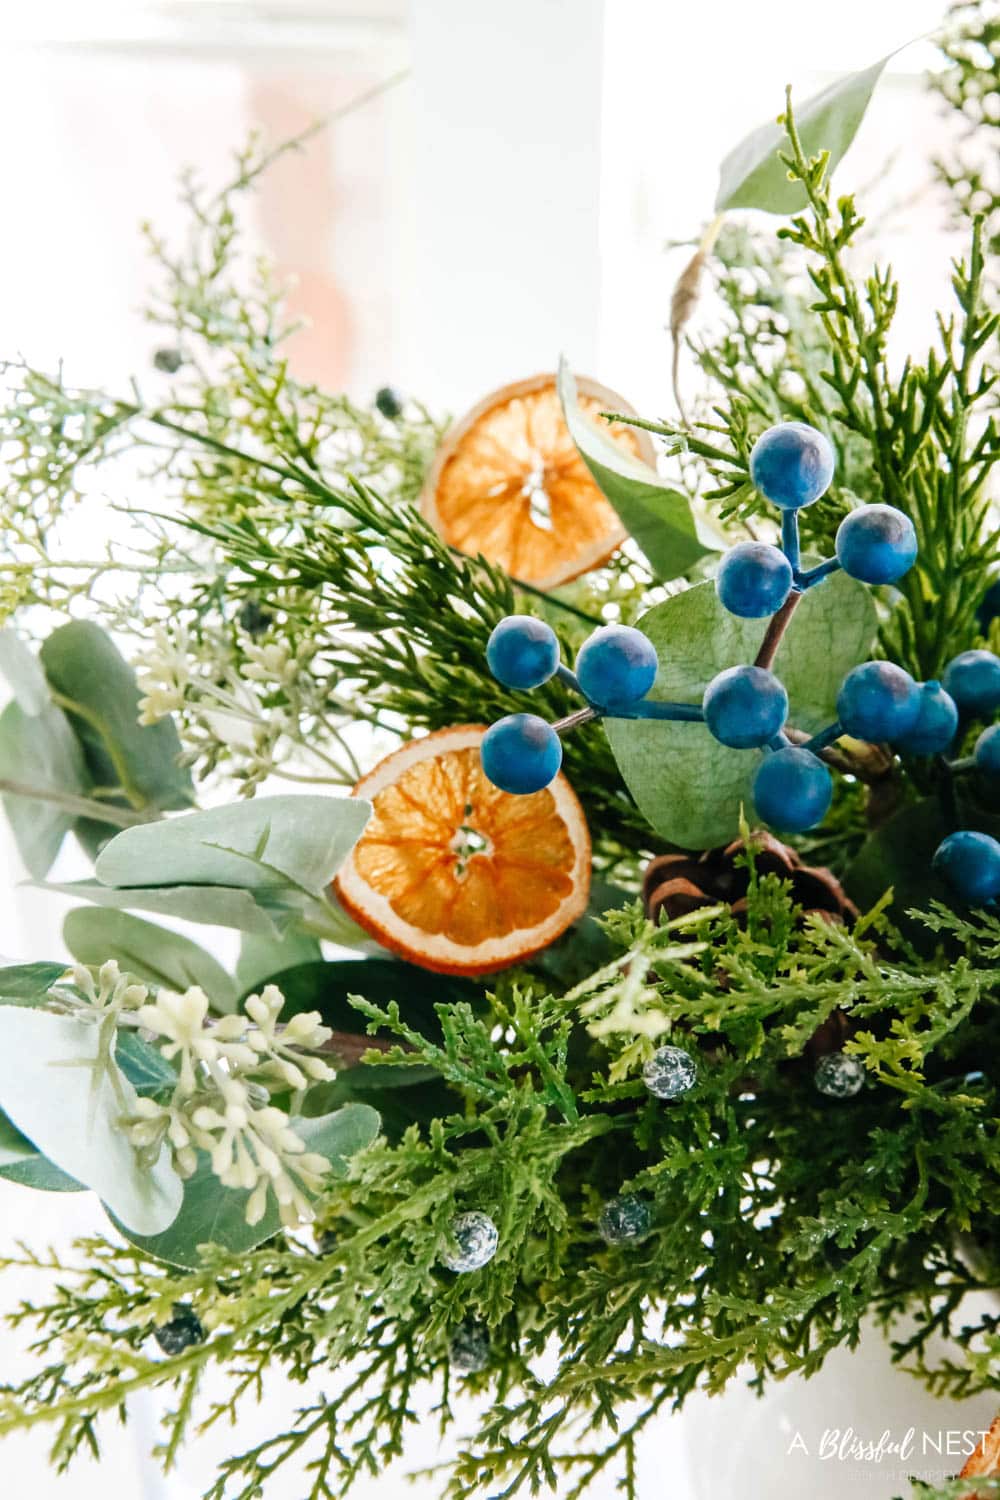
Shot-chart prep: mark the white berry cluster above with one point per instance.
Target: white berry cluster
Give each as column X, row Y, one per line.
column 220, row 1103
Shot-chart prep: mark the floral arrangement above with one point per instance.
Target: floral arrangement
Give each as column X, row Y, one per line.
column 619, row 1096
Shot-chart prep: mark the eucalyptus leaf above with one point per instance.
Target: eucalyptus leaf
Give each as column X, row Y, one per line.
column 24, row 676
column 21, row 1162
column 753, row 174
column 216, row 906
column 685, row 783
column 54, row 1090
column 213, row 1215
column 656, row 515
column 28, row 984
column 261, row 957
column 250, row 845
column 40, row 750
column 145, row 1067
column 98, row 687
column 153, row 954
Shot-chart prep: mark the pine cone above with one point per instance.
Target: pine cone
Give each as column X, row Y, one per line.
column 676, row 884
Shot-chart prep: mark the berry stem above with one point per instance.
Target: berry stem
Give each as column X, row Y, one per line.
column 777, row 627
column 966, row 763
column 569, row 678
column 574, row 720
column 790, row 538
column 824, row 738
column 822, row 570
column 690, row 713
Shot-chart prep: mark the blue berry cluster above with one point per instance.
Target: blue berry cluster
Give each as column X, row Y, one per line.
column 746, row 707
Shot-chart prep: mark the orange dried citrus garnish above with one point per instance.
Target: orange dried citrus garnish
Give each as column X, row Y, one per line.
column 455, row 875
column 985, row 1459
column 508, row 482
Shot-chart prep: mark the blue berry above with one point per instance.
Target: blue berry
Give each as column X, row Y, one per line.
column 624, row 1220
column 973, row 680
column 878, row 701
column 669, row 1073
column 970, row 863
column 745, row 706
column 792, row 789
column 522, row 652
column 469, row 1347
column 987, row 751
column 876, row 544
column 792, row 465
column 936, row 724
column 389, row 402
column 616, row 666
column 754, row 580
column 520, row 754
column 840, row 1075
column 182, row 1332
column 475, row 1242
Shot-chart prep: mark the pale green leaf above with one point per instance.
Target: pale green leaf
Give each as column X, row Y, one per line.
column 153, row 954
column 215, row 906
column 53, row 1090
column 656, row 515
column 261, row 957
column 685, row 783
column 214, row 1215
column 255, row 844
column 753, row 174
column 24, row 676
column 40, row 751
column 85, row 668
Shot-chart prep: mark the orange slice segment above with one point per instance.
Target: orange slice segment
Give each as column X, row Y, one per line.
column 508, row 482
column 455, row 875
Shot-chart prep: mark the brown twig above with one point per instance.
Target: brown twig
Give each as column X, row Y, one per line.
column 775, row 630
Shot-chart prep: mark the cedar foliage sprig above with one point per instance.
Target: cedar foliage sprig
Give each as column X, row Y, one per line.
column 760, row 1255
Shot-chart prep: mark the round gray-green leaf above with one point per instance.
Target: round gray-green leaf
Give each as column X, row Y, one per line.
column 53, row 1091
column 688, row 786
column 154, row 954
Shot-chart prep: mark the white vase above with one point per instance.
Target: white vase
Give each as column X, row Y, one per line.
column 860, row 1428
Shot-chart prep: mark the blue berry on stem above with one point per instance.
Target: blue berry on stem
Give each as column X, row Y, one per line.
column 987, row 751
column 876, row 544
column 792, row 465
column 475, row 1239
column 469, row 1347
column 616, row 666
column 520, row 754
column 936, row 723
column 973, row 680
column 754, row 580
column 669, row 1073
column 970, row 863
column 792, row 789
column 745, row 707
column 522, row 652
column 878, row 701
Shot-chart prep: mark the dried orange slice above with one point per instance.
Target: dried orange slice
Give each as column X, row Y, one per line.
column 508, row 482
column 984, row 1461
column 454, row 874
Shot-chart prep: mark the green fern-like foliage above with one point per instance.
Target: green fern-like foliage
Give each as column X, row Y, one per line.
column 760, row 1255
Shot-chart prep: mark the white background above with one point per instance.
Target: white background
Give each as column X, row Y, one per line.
column 512, row 199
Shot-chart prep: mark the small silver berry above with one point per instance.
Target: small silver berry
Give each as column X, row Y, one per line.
column 839, row 1075
column 669, row 1072
column 476, row 1239
column 624, row 1219
column 469, row 1349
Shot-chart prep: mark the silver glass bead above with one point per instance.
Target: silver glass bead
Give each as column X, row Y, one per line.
column 476, row 1239
column 624, row 1219
column 839, row 1075
column 469, row 1350
column 669, row 1072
